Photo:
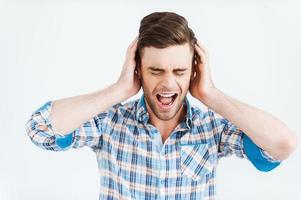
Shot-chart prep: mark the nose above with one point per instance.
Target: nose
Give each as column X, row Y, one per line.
column 169, row 81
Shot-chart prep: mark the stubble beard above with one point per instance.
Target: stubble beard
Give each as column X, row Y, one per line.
column 164, row 116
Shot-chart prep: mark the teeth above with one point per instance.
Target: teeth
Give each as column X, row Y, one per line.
column 167, row 95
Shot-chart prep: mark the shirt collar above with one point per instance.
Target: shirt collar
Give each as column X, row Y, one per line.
column 143, row 116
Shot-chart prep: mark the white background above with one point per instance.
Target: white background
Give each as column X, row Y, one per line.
column 55, row 49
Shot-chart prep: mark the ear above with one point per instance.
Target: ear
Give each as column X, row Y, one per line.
column 139, row 72
column 193, row 66
column 138, row 64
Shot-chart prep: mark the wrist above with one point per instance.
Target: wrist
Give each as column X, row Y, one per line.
column 111, row 95
column 211, row 99
column 121, row 91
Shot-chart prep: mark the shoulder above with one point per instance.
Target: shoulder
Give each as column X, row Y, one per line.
column 200, row 114
column 206, row 114
column 120, row 110
column 207, row 123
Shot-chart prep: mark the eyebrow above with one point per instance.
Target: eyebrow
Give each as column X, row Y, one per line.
column 180, row 69
column 152, row 68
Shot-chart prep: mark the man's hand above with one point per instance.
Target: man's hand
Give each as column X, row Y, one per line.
column 65, row 115
column 201, row 84
column 265, row 130
column 128, row 81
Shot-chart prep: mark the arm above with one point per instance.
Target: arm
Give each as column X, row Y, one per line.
column 266, row 131
column 262, row 128
column 82, row 115
column 68, row 114
column 65, row 113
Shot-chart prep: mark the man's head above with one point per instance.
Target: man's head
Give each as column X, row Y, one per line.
column 164, row 59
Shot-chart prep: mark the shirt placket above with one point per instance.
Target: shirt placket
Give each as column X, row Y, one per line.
column 161, row 163
column 162, row 175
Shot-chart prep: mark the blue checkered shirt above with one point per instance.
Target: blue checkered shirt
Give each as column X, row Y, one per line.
column 135, row 164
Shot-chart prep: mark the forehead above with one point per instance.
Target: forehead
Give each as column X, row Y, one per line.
column 172, row 56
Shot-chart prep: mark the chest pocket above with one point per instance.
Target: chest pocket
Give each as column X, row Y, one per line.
column 195, row 161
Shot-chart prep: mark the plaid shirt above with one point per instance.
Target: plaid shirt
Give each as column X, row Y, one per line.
column 135, row 164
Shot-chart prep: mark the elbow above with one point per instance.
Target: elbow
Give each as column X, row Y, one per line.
column 287, row 146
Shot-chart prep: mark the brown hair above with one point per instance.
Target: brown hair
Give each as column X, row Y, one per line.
column 161, row 30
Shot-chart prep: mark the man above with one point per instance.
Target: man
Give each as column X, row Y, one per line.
column 160, row 146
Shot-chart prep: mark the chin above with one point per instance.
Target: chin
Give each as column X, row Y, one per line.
column 167, row 114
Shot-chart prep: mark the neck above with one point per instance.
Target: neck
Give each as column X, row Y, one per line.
column 167, row 126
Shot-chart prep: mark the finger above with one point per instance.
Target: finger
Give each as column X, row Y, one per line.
column 201, row 46
column 132, row 48
column 201, row 54
column 134, row 42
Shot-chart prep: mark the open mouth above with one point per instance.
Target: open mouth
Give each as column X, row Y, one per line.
column 166, row 99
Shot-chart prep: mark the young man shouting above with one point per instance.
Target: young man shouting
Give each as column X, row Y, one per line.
column 160, row 146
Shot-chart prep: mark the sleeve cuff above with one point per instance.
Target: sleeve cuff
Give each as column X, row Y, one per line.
column 41, row 116
column 65, row 142
column 258, row 157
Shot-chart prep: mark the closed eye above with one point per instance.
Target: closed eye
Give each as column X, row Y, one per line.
column 155, row 71
column 158, row 71
column 180, row 71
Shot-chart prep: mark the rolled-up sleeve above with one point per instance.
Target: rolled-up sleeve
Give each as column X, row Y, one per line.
column 89, row 134
column 231, row 140
column 259, row 157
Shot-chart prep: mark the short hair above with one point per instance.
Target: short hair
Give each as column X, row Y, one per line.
column 161, row 30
